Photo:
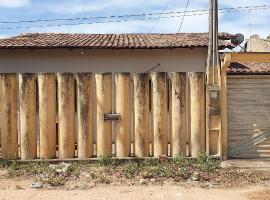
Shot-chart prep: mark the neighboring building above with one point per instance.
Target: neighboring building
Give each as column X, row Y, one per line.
column 248, row 87
column 257, row 44
column 248, row 106
column 52, row 52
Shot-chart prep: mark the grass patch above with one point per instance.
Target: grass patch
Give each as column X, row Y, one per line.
column 203, row 170
column 105, row 160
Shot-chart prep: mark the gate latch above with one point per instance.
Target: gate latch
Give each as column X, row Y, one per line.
column 111, row 117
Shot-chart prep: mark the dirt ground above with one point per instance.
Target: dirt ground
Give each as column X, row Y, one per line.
column 181, row 178
column 11, row 190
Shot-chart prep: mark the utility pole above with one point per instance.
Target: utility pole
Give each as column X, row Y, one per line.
column 213, row 115
column 213, row 57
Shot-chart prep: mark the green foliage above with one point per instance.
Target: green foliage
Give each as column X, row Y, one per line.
column 149, row 162
column 206, row 163
column 130, row 168
column 4, row 163
column 182, row 161
column 105, row 160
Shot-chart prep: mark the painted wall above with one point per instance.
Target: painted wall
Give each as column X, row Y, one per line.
column 255, row 44
column 64, row 60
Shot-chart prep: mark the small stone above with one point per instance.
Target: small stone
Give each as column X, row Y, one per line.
column 153, row 180
column 60, row 168
column 146, row 174
column 142, row 181
column 87, row 175
column 73, row 187
column 18, row 187
column 36, row 185
column 92, row 184
column 195, row 176
column 162, row 158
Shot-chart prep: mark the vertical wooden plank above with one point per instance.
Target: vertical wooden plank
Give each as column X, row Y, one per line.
column 224, row 110
column 66, row 111
column 1, row 107
column 178, row 113
column 27, row 99
column 104, row 105
column 159, row 113
column 197, row 113
column 8, row 128
column 47, row 115
column 122, row 106
column 214, row 135
column 141, row 115
column 85, row 114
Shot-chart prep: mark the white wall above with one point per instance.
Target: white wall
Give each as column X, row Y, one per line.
column 258, row 45
column 64, row 60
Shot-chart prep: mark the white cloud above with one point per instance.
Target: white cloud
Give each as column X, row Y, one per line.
column 3, row 36
column 118, row 6
column 229, row 22
column 13, row 3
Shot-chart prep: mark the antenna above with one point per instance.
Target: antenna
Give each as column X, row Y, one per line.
column 237, row 39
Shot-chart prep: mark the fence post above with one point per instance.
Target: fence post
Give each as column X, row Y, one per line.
column 141, row 115
column 197, row 113
column 27, row 99
column 104, row 105
column 66, row 110
column 159, row 113
column 9, row 134
column 85, row 114
column 178, row 113
column 122, row 106
column 47, row 115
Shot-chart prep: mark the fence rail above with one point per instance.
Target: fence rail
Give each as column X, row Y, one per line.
column 61, row 115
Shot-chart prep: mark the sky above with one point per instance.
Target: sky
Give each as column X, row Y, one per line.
column 245, row 22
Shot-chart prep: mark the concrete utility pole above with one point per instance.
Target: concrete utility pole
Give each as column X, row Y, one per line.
column 213, row 57
column 213, row 120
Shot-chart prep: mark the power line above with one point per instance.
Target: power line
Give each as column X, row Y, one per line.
column 129, row 20
column 183, row 18
column 163, row 10
column 123, row 16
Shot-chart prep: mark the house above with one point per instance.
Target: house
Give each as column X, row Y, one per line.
column 248, row 102
column 50, row 52
column 53, row 52
column 257, row 44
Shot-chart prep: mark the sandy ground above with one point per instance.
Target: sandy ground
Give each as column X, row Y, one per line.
column 13, row 190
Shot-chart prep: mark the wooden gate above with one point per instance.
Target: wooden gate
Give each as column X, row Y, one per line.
column 88, row 115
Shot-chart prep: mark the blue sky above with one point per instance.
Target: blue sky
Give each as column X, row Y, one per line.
column 14, row 10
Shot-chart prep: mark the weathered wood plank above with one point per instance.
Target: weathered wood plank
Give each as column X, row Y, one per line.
column 8, row 127
column 122, row 106
column 104, row 105
column 85, row 114
column 178, row 114
column 27, row 99
column 141, row 115
column 197, row 113
column 47, row 115
column 159, row 113
column 66, row 111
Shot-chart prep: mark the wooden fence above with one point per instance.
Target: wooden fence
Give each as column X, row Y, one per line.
column 87, row 115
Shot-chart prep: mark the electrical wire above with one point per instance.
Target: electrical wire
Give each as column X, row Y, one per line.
column 130, row 20
column 183, row 18
column 163, row 10
column 124, row 16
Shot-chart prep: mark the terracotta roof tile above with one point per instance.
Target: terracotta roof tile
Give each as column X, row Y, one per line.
column 249, row 68
column 107, row 41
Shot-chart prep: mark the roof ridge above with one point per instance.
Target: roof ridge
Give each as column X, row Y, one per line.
column 79, row 40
